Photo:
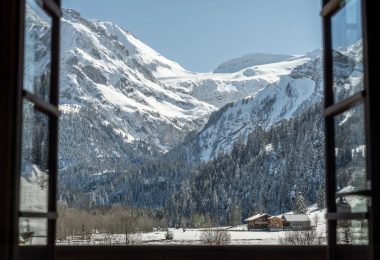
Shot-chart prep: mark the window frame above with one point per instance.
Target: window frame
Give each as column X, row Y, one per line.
column 50, row 109
column 11, row 26
column 330, row 7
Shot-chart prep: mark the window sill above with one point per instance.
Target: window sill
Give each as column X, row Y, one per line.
column 266, row 252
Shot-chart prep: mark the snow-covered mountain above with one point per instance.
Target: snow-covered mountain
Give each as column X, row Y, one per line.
column 124, row 105
column 282, row 100
column 249, row 60
column 107, row 78
column 289, row 96
column 123, row 101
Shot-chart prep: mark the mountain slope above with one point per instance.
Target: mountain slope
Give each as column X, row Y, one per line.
column 278, row 101
column 114, row 111
column 282, row 100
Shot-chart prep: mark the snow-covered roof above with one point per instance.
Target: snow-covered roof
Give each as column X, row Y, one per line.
column 296, row 217
column 274, row 217
column 256, row 217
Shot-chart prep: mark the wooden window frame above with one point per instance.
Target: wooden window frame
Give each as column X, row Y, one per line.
column 333, row 109
column 11, row 96
column 12, row 107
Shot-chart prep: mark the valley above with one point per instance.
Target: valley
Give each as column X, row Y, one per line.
column 173, row 146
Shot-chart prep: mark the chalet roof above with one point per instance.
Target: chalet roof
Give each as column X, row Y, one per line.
column 257, row 216
column 296, row 217
column 274, row 217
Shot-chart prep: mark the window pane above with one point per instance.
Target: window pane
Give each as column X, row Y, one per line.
column 347, row 50
column 37, row 54
column 34, row 160
column 350, row 150
column 33, row 231
column 352, row 232
column 352, row 204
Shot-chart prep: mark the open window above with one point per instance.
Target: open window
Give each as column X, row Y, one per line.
column 37, row 182
column 347, row 127
column 30, row 132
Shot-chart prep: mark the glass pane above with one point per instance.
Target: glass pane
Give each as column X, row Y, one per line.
column 352, row 232
column 33, row 231
column 347, row 50
column 37, row 53
column 352, row 203
column 350, row 150
column 34, row 160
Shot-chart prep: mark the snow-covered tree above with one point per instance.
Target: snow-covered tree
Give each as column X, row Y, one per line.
column 300, row 205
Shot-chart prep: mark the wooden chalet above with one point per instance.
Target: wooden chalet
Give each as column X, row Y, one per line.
column 258, row 222
column 296, row 222
column 275, row 223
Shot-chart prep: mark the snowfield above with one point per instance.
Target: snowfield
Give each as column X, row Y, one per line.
column 239, row 235
column 189, row 237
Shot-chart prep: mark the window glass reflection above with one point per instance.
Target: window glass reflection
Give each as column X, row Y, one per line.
column 37, row 52
column 352, row 232
column 347, row 50
column 34, row 160
column 32, row 231
column 350, row 150
column 352, row 203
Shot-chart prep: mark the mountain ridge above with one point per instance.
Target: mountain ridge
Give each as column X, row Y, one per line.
column 249, row 60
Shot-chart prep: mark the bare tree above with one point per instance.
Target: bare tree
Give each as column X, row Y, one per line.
column 129, row 226
column 212, row 236
column 169, row 234
column 115, row 220
column 299, row 237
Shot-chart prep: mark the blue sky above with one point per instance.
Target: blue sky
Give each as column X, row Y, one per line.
column 201, row 34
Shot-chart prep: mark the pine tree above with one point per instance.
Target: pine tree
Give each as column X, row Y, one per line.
column 300, row 204
column 321, row 198
column 235, row 216
column 238, row 148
